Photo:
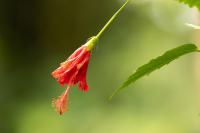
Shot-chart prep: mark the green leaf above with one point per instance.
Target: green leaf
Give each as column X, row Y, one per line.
column 191, row 3
column 157, row 63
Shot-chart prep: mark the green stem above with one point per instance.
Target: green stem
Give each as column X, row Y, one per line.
column 93, row 40
column 111, row 20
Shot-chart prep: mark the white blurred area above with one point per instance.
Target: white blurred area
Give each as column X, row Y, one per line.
column 168, row 15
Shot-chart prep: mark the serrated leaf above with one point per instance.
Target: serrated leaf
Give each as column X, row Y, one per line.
column 157, row 63
column 191, row 3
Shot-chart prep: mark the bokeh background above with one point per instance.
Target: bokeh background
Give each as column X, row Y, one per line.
column 36, row 35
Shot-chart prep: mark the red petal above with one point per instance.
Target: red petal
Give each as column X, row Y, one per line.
column 70, row 72
column 83, row 85
column 61, row 102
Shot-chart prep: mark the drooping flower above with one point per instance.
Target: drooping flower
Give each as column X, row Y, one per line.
column 73, row 71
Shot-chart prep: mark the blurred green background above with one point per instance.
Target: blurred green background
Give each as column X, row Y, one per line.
column 36, row 35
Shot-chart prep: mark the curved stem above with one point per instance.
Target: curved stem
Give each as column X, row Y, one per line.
column 111, row 20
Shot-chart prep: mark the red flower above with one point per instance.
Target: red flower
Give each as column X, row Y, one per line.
column 70, row 72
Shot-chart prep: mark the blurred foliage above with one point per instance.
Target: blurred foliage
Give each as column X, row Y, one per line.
column 191, row 3
column 36, row 35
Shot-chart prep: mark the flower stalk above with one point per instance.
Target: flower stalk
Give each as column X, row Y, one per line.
column 111, row 20
column 93, row 41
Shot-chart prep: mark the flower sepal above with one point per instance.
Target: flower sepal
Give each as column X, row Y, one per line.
column 91, row 42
